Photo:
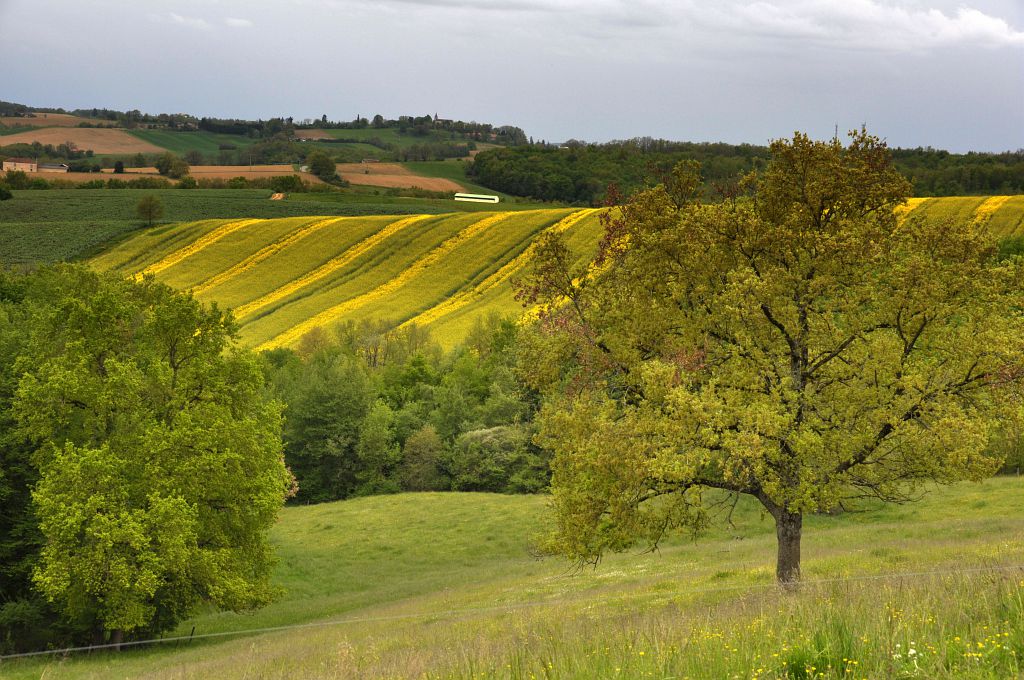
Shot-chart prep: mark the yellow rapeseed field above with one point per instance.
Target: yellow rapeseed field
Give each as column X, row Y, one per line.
column 333, row 314
column 263, row 254
column 327, row 268
column 465, row 297
column 989, row 207
column 196, row 246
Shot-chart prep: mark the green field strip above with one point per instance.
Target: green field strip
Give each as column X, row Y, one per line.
column 183, row 142
column 451, row 329
column 475, row 265
column 221, row 254
column 451, row 253
column 372, row 253
column 154, row 244
column 471, row 260
column 297, row 259
column 197, row 246
column 373, row 267
column 956, row 208
column 495, row 275
column 1008, row 220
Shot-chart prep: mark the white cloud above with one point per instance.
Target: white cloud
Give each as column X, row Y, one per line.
column 179, row 20
column 867, row 24
column 235, row 22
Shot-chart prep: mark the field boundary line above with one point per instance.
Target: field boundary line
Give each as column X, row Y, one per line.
column 329, row 267
column 454, row 613
column 263, row 253
column 412, row 271
column 465, row 297
column 989, row 207
column 199, row 244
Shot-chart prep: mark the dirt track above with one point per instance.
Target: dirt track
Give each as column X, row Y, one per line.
column 392, row 175
column 100, row 140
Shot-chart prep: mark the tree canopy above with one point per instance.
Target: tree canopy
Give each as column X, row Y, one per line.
column 157, row 457
column 796, row 343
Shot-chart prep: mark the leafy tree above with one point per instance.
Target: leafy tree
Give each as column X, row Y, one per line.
column 159, row 458
column 378, row 452
column 171, row 166
column 195, row 157
column 321, row 165
column 421, row 461
column 5, row 193
column 118, row 167
column 328, row 399
column 149, row 208
column 794, row 344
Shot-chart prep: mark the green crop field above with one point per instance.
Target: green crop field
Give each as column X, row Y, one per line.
column 454, row 170
column 208, row 143
column 393, row 136
column 53, row 225
column 446, row 586
column 285, row 277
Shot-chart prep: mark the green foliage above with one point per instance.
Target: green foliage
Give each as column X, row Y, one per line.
column 172, row 166
column 421, row 461
column 796, row 345
column 5, row 193
column 373, row 410
column 149, row 209
column 158, row 457
column 287, row 183
column 321, row 165
column 17, row 179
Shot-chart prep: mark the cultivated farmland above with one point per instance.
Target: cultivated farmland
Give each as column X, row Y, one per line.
column 285, row 277
column 65, row 120
column 99, row 140
column 394, row 175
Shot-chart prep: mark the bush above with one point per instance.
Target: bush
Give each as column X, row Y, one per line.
column 5, row 193
column 287, row 184
column 187, row 182
column 17, row 179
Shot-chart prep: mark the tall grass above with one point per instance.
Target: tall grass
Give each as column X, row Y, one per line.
column 444, row 586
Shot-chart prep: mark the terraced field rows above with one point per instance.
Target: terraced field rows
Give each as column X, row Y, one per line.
column 1002, row 215
column 285, row 277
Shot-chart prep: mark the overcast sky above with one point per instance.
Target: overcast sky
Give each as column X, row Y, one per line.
column 944, row 73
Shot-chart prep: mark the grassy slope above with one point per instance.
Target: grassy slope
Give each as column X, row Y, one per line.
column 67, row 224
column 351, row 269
column 182, row 142
column 403, row 564
column 454, row 170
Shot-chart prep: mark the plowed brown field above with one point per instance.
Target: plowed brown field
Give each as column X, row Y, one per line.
column 313, row 133
column 100, row 140
column 51, row 120
column 392, row 175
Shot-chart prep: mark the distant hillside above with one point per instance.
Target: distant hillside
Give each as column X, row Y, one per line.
column 581, row 173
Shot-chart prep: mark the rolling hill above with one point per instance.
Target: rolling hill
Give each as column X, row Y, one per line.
column 441, row 585
column 285, row 277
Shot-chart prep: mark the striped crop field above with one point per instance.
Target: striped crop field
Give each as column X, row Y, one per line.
column 286, row 277
column 1002, row 215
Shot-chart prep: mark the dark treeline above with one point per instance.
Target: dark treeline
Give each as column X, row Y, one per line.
column 581, row 173
column 373, row 410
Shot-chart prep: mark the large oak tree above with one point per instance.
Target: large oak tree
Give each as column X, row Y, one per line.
column 795, row 342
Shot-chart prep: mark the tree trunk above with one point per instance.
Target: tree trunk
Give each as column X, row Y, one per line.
column 116, row 638
column 788, row 528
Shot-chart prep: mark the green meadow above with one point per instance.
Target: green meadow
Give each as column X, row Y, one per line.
column 440, row 585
